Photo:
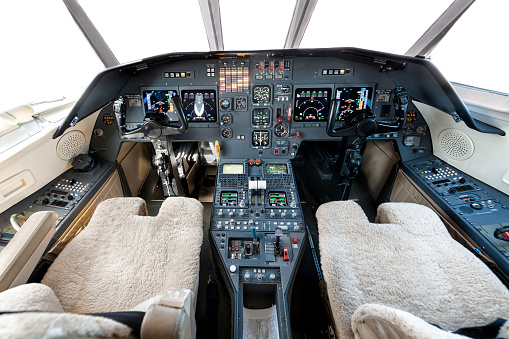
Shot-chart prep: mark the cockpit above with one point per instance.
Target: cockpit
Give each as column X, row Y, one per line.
column 283, row 164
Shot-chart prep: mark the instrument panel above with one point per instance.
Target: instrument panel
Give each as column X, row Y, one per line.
column 258, row 108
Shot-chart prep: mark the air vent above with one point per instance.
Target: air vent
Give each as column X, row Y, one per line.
column 70, row 145
column 455, row 144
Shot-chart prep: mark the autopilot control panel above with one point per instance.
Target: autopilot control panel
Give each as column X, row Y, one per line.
column 258, row 229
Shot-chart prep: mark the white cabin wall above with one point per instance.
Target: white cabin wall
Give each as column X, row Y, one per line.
column 38, row 155
column 489, row 161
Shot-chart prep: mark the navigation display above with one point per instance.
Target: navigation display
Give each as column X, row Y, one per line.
column 353, row 99
column 229, row 198
column 277, row 199
column 233, row 169
column 158, row 105
column 311, row 104
column 276, row 169
column 199, row 105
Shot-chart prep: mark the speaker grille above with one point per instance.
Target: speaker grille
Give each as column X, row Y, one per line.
column 455, row 144
column 70, row 145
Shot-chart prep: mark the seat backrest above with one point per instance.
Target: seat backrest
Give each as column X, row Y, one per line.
column 406, row 261
column 124, row 257
column 19, row 258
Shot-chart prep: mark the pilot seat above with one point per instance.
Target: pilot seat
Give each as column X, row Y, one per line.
column 122, row 261
column 403, row 276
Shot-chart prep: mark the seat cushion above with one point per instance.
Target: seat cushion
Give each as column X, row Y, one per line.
column 29, row 297
column 408, row 262
column 124, row 257
column 60, row 325
column 372, row 321
column 49, row 317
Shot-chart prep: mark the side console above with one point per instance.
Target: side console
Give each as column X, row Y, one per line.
column 258, row 231
column 480, row 210
column 66, row 195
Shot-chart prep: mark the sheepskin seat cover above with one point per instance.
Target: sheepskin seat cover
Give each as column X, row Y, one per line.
column 407, row 261
column 124, row 257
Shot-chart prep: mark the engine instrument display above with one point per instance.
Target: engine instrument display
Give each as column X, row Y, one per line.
column 277, row 199
column 233, row 169
column 261, row 117
column 261, row 94
column 353, row 99
column 158, row 105
column 276, row 169
column 311, row 104
column 260, row 138
column 199, row 106
column 229, row 198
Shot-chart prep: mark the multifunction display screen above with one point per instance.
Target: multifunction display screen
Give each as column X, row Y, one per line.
column 261, row 94
column 277, row 199
column 158, row 105
column 199, row 106
column 229, row 198
column 261, row 117
column 311, row 104
column 233, row 169
column 260, row 138
column 353, row 99
column 276, row 169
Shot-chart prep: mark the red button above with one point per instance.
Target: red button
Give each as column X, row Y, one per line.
column 285, row 254
column 294, row 239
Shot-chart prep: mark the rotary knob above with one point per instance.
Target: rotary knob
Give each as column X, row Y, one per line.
column 247, row 276
column 272, row 276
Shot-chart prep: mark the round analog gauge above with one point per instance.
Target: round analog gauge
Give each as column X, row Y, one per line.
column 281, row 131
column 226, row 133
column 261, row 94
column 226, row 119
column 225, row 104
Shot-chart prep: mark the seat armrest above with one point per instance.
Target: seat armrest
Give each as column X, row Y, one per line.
column 19, row 258
column 172, row 317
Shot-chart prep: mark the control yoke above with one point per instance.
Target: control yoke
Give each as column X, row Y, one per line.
column 154, row 129
column 364, row 123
